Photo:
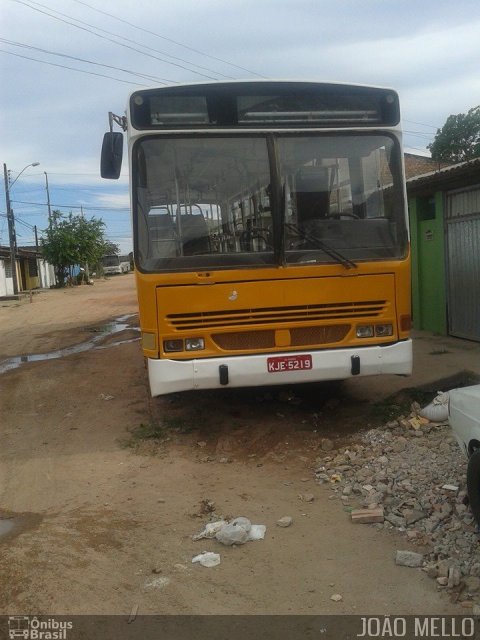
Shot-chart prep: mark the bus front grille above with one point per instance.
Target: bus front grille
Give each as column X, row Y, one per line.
column 298, row 336
column 332, row 312
column 318, row 335
column 241, row 340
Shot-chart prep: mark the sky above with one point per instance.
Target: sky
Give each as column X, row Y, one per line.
column 64, row 64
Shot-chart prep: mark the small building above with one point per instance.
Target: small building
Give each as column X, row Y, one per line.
column 416, row 164
column 33, row 272
column 445, row 233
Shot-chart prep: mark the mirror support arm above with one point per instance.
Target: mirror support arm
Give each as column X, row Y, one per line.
column 120, row 120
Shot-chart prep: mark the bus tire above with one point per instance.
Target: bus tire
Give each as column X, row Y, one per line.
column 473, row 484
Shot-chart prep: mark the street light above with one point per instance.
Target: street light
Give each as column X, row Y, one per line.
column 32, row 164
column 11, row 221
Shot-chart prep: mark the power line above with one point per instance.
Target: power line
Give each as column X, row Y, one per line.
column 25, row 224
column 418, row 134
column 64, row 55
column 34, row 188
column 75, row 187
column 164, row 53
column 116, row 35
column 121, row 44
column 53, row 173
column 422, row 124
column 73, row 206
column 62, row 66
column 157, row 35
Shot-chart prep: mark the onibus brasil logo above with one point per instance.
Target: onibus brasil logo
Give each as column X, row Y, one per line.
column 32, row 628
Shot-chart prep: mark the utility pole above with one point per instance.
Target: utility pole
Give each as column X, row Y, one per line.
column 11, row 230
column 87, row 270
column 48, row 201
column 11, row 221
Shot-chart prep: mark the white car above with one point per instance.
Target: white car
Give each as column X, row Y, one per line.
column 464, row 418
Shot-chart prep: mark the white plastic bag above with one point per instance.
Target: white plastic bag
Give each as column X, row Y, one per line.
column 257, row 532
column 235, row 532
column 207, row 559
column 238, row 531
column 437, row 410
column 211, row 528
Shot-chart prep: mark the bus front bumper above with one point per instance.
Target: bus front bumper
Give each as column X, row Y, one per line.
column 169, row 376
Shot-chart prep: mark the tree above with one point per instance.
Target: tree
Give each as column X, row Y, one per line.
column 111, row 249
column 459, row 138
column 72, row 240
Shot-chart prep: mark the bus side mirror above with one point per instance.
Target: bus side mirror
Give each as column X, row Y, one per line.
column 112, row 152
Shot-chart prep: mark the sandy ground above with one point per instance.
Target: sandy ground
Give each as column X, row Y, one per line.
column 103, row 522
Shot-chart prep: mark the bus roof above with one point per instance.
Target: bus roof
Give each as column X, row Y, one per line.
column 278, row 81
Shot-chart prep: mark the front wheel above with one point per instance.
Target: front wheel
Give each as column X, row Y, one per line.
column 473, row 484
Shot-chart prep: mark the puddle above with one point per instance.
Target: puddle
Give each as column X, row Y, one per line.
column 13, row 524
column 6, row 526
column 112, row 328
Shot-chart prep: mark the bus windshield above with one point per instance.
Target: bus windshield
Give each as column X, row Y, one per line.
column 224, row 201
column 111, row 261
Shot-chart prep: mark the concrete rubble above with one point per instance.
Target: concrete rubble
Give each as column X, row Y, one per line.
column 414, row 470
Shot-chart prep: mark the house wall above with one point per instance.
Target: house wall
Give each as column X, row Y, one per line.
column 6, row 282
column 30, row 278
column 45, row 278
column 417, row 165
column 46, row 273
column 32, row 282
column 429, row 302
column 18, row 269
column 3, row 280
column 462, row 216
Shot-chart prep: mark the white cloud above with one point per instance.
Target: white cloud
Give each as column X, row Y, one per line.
column 119, row 200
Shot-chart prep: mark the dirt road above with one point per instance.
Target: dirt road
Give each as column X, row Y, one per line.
column 103, row 514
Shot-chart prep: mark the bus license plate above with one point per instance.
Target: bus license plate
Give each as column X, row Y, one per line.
column 289, row 363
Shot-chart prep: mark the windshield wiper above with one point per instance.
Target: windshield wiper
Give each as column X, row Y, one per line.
column 333, row 253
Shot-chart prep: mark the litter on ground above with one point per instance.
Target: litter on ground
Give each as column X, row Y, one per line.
column 207, row 559
column 437, row 410
column 237, row 531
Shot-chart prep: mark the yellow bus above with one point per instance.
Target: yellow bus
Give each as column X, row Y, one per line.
column 270, row 232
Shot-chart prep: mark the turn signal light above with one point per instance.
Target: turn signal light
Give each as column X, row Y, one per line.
column 405, row 323
column 149, row 341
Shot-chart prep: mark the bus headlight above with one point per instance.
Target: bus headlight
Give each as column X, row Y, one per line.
column 370, row 330
column 382, row 330
column 194, row 344
column 172, row 345
column 365, row 331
